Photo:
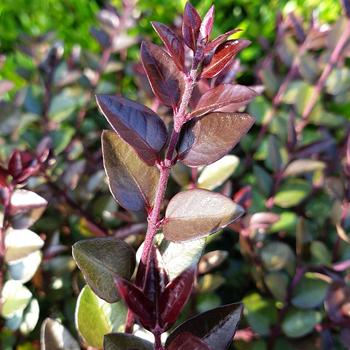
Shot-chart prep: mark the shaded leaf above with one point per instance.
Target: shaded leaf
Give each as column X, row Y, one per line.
column 187, row 341
column 337, row 303
column 215, row 328
column 225, row 96
column 121, row 341
column 190, row 26
column 196, row 213
column 166, row 80
column 95, row 318
column 132, row 182
column 136, row 124
column 277, row 283
column 54, row 336
column 207, row 139
column 101, row 260
column 173, row 44
column 223, row 55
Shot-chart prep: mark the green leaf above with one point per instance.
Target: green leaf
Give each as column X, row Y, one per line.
column 54, row 336
column 277, row 282
column 309, row 292
column 15, row 297
column 94, row 317
column 132, row 182
column 303, row 166
column 197, row 213
column 217, row 173
column 61, row 138
column 298, row 323
column 20, row 243
column 101, row 260
column 120, row 341
column 291, row 193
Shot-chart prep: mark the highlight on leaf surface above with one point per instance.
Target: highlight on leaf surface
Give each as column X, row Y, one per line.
column 209, row 138
column 101, row 260
column 187, row 341
column 191, row 25
column 132, row 182
column 197, row 213
column 136, row 124
column 122, row 341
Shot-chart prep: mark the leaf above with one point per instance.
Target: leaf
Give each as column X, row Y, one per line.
column 174, row 297
column 215, row 174
column 197, row 213
column 310, row 292
column 24, row 269
column 179, row 256
column 54, row 336
column 207, row 139
column 292, row 193
column 207, row 24
column 20, row 243
column 211, row 260
column 26, row 208
column 337, row 302
column 212, row 45
column 14, row 297
column 215, row 328
column 173, row 44
column 94, row 317
column 31, row 317
column 190, row 26
column 277, row 283
column 225, row 96
column 101, row 260
column 121, row 341
column 223, row 55
column 298, row 323
column 302, row 166
column 187, row 341
column 136, row 124
column 132, row 182
column 166, row 81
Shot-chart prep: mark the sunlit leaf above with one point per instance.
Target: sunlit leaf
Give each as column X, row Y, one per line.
column 24, row 269
column 292, row 193
column 30, row 317
column 302, row 166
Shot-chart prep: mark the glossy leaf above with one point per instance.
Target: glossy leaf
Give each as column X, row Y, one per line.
column 132, row 182
column 215, row 328
column 175, row 296
column 187, row 341
column 136, row 124
column 173, row 44
column 207, row 139
column 224, row 54
column 24, row 269
column 166, row 80
column 20, row 243
column 190, row 26
column 121, row 341
column 95, row 318
column 54, row 336
column 197, row 213
column 225, row 98
column 215, row 174
column 30, row 317
column 207, row 24
column 212, row 45
column 101, row 260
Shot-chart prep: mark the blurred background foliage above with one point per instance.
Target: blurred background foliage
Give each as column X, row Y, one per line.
column 288, row 259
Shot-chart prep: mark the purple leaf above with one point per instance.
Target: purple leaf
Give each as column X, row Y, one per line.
column 175, row 296
column 212, row 45
column 209, row 138
column 173, row 44
column 187, row 341
column 224, row 54
column 137, row 302
column 122, row 341
column 215, row 328
column 166, row 80
column 190, row 26
column 197, row 213
column 3, row 176
column 232, row 97
column 138, row 125
column 207, row 24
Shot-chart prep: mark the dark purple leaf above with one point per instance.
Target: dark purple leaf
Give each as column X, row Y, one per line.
column 175, row 296
column 101, row 36
column 337, row 303
column 122, row 341
column 187, row 341
column 190, row 26
column 215, row 328
column 232, row 97
column 209, row 138
column 3, row 176
column 15, row 165
column 166, row 80
column 212, row 45
column 173, row 44
column 346, row 6
column 224, row 54
column 138, row 125
column 207, row 24
column 137, row 302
